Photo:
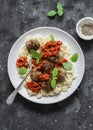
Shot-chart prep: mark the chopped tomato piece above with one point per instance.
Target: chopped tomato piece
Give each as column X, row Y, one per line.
column 33, row 86
column 51, row 49
column 45, row 76
column 62, row 60
column 22, row 61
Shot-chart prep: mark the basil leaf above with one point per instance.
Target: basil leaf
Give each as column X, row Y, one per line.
column 60, row 9
column 67, row 66
column 55, row 72
column 51, row 13
column 40, row 55
column 60, row 13
column 59, row 6
column 22, row 70
column 54, row 78
column 37, row 60
column 34, row 53
column 52, row 38
column 53, row 83
column 74, row 57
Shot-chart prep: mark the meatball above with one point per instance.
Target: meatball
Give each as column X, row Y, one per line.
column 61, row 75
column 53, row 59
column 35, row 75
column 32, row 44
column 46, row 86
column 47, row 66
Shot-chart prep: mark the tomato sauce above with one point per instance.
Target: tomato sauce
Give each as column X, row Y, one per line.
column 51, row 48
column 22, row 62
column 33, row 86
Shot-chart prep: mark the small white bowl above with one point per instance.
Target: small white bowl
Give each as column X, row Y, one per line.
column 80, row 23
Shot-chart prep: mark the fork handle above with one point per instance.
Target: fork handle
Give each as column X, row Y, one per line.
column 11, row 97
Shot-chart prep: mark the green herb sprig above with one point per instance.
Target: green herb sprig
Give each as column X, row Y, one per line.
column 22, row 70
column 52, row 38
column 54, row 77
column 69, row 65
column 74, row 57
column 51, row 13
column 36, row 55
column 59, row 11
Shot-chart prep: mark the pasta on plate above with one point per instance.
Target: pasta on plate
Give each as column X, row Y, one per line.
column 52, row 69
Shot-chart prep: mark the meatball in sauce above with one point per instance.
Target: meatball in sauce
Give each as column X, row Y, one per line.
column 32, row 44
column 47, row 67
column 35, row 75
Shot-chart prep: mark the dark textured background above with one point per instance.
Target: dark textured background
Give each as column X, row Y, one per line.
column 75, row 113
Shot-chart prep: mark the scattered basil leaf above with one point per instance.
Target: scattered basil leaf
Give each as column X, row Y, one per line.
column 37, row 60
column 54, row 78
column 60, row 13
column 53, row 83
column 52, row 38
column 22, row 70
column 59, row 6
column 67, row 66
column 55, row 72
column 34, row 53
column 51, row 13
column 60, row 9
column 74, row 57
column 40, row 55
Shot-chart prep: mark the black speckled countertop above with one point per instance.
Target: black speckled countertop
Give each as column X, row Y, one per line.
column 75, row 113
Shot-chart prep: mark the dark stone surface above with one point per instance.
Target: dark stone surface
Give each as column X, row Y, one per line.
column 75, row 113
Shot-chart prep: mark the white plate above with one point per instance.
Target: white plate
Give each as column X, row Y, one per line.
column 59, row 34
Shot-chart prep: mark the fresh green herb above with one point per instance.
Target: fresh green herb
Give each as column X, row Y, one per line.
column 22, row 70
column 54, row 77
column 60, row 12
column 36, row 55
column 40, row 55
column 74, row 57
column 60, row 9
column 51, row 13
column 53, row 83
column 67, row 66
column 55, row 72
column 52, row 38
column 37, row 60
column 59, row 6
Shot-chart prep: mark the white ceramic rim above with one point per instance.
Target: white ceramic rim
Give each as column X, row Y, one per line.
column 77, row 28
column 68, row 36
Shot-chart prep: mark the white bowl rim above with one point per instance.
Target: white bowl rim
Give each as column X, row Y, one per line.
column 77, row 27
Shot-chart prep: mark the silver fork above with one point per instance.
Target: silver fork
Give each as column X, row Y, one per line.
column 12, row 96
